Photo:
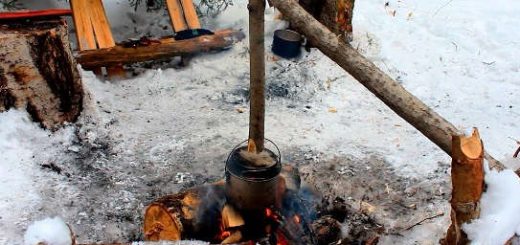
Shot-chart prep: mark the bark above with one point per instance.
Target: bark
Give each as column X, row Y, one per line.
column 167, row 48
column 394, row 95
column 257, row 70
column 336, row 15
column 38, row 72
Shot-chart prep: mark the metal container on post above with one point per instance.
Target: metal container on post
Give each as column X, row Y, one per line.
column 250, row 187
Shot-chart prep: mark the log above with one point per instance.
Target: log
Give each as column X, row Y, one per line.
column 38, row 72
column 467, row 178
column 166, row 48
column 191, row 214
column 257, row 70
column 394, row 95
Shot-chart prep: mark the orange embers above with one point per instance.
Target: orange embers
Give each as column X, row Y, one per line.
column 297, row 219
column 223, row 235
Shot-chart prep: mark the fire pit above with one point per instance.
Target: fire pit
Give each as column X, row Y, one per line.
column 259, row 202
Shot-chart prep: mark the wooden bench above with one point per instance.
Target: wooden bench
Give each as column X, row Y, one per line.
column 93, row 31
column 98, row 48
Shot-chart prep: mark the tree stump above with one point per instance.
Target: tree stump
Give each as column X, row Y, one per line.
column 38, row 72
column 336, row 15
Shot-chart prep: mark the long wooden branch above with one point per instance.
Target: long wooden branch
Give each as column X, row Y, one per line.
column 257, row 71
column 165, row 49
column 395, row 96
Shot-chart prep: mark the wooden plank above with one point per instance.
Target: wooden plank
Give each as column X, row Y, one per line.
column 103, row 33
column 190, row 14
column 101, row 25
column 176, row 15
column 29, row 14
column 83, row 26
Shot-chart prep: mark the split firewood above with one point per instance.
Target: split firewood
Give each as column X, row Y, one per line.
column 393, row 94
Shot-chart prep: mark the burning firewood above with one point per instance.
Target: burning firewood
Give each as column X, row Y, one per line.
column 231, row 218
column 234, row 238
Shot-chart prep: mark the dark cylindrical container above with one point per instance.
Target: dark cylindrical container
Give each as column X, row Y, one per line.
column 249, row 187
column 287, row 43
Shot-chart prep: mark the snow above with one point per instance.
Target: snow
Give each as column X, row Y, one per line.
column 168, row 128
column 500, row 210
column 50, row 231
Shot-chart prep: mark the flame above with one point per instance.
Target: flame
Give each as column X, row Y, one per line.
column 281, row 240
column 268, row 212
column 224, row 235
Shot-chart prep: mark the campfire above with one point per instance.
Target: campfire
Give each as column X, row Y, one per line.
column 259, row 202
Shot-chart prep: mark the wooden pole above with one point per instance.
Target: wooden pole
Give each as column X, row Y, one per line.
column 394, row 95
column 257, row 70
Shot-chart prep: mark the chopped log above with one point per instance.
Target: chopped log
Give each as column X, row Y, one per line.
column 393, row 94
column 191, row 214
column 467, row 177
column 167, row 48
column 257, row 70
column 38, row 72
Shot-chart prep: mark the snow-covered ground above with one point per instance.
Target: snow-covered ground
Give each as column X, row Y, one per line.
column 169, row 128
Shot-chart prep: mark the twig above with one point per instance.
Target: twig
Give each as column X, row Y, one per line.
column 420, row 222
column 515, row 155
column 439, row 9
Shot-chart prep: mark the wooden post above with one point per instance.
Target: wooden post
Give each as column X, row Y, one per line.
column 257, row 70
column 467, row 177
column 393, row 94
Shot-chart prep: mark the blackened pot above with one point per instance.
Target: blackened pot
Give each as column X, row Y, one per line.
column 287, row 43
column 249, row 187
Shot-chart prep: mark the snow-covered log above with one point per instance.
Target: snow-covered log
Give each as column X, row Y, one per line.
column 393, row 94
column 164, row 48
column 38, row 72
